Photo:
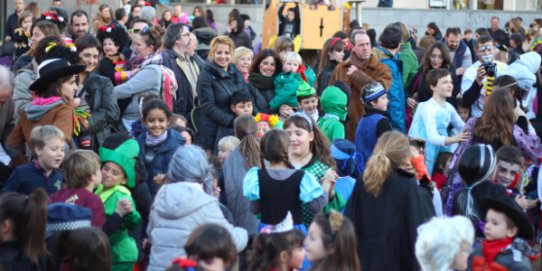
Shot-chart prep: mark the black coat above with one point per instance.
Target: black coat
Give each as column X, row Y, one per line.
column 184, row 101
column 12, row 258
column 241, row 38
column 215, row 88
column 105, row 112
column 266, row 88
column 324, row 76
column 386, row 226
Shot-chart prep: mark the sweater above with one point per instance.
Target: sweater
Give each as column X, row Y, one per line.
column 29, row 177
column 84, row 198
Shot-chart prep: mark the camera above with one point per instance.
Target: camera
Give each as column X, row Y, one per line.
column 490, row 68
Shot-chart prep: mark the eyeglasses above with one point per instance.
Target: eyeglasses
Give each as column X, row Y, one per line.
column 485, row 48
column 134, row 30
column 435, row 57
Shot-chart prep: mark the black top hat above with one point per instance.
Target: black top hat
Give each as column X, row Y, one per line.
column 513, row 211
column 52, row 69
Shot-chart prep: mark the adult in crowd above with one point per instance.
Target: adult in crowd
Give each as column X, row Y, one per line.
column 477, row 82
column 7, row 118
column 425, row 42
column 434, row 30
column 96, row 92
column 176, row 57
column 216, row 84
column 459, row 52
column 53, row 99
column 265, row 66
column 12, row 22
column 436, row 57
column 103, row 17
column 185, row 202
column 361, row 68
column 497, row 34
column 205, row 35
column 332, row 54
column 79, row 24
column 242, row 59
column 408, row 57
column 29, row 73
column 238, row 34
column 148, row 79
column 388, row 53
column 386, row 207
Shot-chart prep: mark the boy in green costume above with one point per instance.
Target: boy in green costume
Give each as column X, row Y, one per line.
column 118, row 173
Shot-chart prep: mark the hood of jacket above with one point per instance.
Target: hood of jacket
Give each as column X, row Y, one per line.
column 523, row 70
column 177, row 200
column 36, row 109
column 334, row 101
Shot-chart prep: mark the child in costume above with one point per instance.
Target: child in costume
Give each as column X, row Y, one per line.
column 289, row 80
column 374, row 123
column 266, row 122
column 334, row 100
column 113, row 65
column 307, row 100
column 118, row 174
column 433, row 118
column 506, row 230
column 344, row 153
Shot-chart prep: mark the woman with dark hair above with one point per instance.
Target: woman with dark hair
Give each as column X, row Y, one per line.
column 95, row 92
column 52, row 102
column 434, row 30
column 265, row 66
column 435, row 57
column 238, row 34
column 331, row 55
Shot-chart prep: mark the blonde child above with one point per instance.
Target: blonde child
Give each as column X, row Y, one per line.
column 225, row 146
column 48, row 147
column 82, row 174
column 331, row 243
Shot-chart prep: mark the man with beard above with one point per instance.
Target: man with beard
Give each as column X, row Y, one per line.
column 361, row 68
column 79, row 24
column 459, row 51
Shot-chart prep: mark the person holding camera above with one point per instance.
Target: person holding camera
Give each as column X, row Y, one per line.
column 478, row 79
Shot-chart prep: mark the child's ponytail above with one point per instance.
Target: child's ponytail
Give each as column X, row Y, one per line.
column 245, row 129
column 29, row 217
column 391, row 150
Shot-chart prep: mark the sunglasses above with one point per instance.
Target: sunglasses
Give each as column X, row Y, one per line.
column 485, row 48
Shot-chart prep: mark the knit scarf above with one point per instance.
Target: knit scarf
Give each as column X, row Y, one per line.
column 262, row 82
column 491, row 249
column 151, row 140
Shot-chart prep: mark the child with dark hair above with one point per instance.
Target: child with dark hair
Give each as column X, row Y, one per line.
column 307, row 100
column 157, row 145
column 23, row 220
column 289, row 25
column 211, row 245
column 113, row 38
column 278, row 247
column 241, row 103
column 442, row 169
column 506, row 231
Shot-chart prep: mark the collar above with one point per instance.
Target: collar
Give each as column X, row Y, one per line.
column 331, row 116
column 490, row 249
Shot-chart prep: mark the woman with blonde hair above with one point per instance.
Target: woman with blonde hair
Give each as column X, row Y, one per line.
column 386, row 208
column 216, row 84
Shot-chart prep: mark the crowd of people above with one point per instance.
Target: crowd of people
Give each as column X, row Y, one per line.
column 133, row 142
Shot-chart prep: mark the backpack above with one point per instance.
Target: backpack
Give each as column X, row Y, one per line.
column 168, row 88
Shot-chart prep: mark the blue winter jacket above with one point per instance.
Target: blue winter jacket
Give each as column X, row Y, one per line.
column 396, row 93
column 162, row 157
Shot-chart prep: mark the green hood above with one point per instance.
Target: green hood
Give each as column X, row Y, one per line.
column 333, row 102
